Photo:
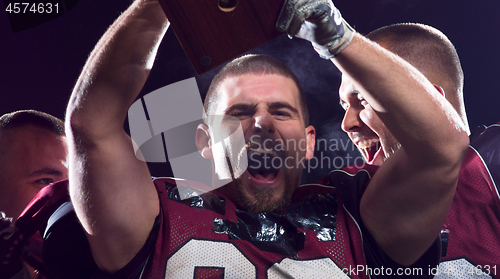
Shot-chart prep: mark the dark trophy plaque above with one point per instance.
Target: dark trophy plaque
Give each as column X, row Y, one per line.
column 212, row 32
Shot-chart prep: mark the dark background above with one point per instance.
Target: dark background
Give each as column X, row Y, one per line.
column 39, row 65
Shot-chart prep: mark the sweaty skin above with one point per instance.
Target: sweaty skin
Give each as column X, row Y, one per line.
column 268, row 109
column 117, row 203
column 361, row 123
column 401, row 200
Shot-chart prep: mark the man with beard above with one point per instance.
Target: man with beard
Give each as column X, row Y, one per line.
column 260, row 224
column 254, row 75
column 475, row 209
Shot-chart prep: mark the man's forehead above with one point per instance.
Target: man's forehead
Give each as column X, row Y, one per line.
column 28, row 135
column 248, row 79
column 246, row 87
column 30, row 151
column 347, row 87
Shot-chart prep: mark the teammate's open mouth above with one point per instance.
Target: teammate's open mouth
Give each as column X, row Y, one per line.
column 371, row 148
column 264, row 166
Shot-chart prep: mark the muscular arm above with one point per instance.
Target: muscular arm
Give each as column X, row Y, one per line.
column 407, row 200
column 111, row 189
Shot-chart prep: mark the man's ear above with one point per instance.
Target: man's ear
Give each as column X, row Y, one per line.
column 440, row 89
column 203, row 141
column 311, row 141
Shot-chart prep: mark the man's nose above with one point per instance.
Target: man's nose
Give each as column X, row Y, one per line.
column 264, row 123
column 351, row 120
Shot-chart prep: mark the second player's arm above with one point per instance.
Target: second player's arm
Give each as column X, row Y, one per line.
column 111, row 189
column 407, row 200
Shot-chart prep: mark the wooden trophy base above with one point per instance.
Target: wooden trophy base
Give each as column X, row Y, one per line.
column 212, row 32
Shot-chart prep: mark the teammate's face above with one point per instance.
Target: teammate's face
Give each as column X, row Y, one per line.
column 363, row 126
column 277, row 141
column 31, row 158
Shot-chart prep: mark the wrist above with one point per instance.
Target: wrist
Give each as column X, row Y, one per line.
column 338, row 43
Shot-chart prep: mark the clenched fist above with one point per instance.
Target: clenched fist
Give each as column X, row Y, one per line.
column 317, row 21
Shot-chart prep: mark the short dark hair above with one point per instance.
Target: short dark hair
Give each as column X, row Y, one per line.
column 36, row 118
column 425, row 47
column 431, row 52
column 257, row 64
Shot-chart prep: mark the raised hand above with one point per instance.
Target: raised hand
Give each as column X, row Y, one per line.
column 317, row 21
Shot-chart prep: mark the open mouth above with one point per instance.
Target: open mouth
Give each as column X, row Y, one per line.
column 264, row 165
column 370, row 148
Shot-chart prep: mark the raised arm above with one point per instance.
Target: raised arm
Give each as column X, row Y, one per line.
column 111, row 189
column 406, row 202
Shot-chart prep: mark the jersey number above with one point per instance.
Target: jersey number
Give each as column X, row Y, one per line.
column 198, row 257
column 463, row 269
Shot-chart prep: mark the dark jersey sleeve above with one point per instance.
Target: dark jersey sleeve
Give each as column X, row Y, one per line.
column 135, row 267
column 66, row 252
column 351, row 188
column 486, row 141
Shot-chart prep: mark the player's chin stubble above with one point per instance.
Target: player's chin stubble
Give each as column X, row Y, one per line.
column 263, row 200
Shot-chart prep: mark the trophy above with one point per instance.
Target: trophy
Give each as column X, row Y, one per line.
column 212, row 32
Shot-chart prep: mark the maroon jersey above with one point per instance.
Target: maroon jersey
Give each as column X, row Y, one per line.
column 50, row 213
column 319, row 235
column 471, row 233
column 208, row 237
column 472, row 227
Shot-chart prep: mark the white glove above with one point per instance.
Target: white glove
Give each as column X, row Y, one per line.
column 317, row 21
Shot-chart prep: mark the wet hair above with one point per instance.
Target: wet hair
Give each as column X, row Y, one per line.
column 256, row 64
column 36, row 118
